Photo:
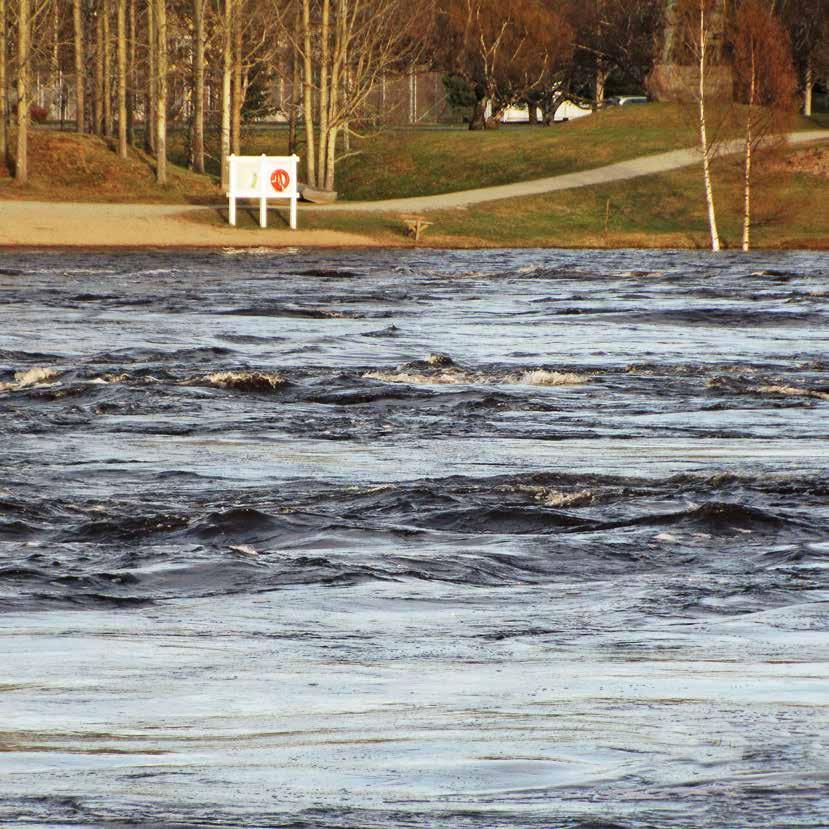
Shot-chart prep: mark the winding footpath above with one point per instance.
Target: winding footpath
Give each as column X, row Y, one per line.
column 621, row 171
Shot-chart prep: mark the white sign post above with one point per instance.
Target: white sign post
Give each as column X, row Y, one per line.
column 263, row 177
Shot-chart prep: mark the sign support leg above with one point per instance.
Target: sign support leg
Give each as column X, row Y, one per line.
column 293, row 213
column 263, row 213
column 231, row 213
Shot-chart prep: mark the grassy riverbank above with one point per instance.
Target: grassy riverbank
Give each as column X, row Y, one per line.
column 664, row 210
column 655, row 211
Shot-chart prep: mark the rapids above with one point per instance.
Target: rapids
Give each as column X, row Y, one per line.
column 414, row 539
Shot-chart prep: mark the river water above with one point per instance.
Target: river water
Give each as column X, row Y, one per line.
column 414, row 539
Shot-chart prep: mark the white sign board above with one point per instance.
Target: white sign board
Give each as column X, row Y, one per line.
column 263, row 177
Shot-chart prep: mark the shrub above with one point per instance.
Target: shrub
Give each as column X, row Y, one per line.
column 38, row 113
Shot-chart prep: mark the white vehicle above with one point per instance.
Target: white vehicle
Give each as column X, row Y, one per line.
column 625, row 100
column 567, row 111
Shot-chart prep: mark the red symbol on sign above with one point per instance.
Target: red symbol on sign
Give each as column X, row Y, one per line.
column 280, row 180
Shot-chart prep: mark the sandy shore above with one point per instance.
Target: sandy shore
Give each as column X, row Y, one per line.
column 69, row 224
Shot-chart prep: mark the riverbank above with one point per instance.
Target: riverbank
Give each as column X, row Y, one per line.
column 654, row 201
column 66, row 224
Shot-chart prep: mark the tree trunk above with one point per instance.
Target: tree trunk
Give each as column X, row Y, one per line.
column 748, row 149
column 324, row 89
column 55, row 76
column 227, row 72
column 197, row 149
column 747, row 189
column 295, row 81
column 152, row 87
column 4, row 135
column 478, row 121
column 706, row 159
column 308, row 95
column 808, row 83
column 108, row 124
column 601, row 81
column 122, row 78
column 80, row 67
column 98, row 105
column 131, row 84
column 161, row 113
column 238, row 97
column 532, row 113
column 21, row 165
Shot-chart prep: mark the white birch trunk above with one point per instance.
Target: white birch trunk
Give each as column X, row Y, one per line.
column 108, row 125
column 748, row 151
column 308, row 95
column 161, row 114
column 80, row 66
column 808, row 83
column 227, row 71
column 4, row 135
column 21, row 162
column 706, row 159
column 198, row 87
column 122, row 78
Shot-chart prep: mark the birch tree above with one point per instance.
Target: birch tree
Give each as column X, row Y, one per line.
column 151, row 86
column 699, row 25
column 106, row 12
column 21, row 161
column 345, row 47
column 197, row 147
column 80, row 65
column 228, row 9
column 161, row 94
column 122, row 78
column 765, row 84
column 4, row 138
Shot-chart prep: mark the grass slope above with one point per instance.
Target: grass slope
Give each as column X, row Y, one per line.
column 65, row 166
column 398, row 163
column 791, row 207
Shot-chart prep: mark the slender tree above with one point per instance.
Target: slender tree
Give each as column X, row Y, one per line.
column 151, row 89
column 197, row 149
column 696, row 25
column 21, row 161
column 4, row 137
column 161, row 81
column 227, row 72
column 765, row 85
column 100, row 58
column 122, row 78
column 237, row 96
column 80, row 66
column 131, row 73
column 106, row 11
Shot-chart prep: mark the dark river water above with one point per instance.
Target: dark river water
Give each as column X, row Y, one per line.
column 414, row 539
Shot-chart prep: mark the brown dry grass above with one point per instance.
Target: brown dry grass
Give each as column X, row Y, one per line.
column 66, row 166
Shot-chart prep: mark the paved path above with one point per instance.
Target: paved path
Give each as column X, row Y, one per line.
column 643, row 166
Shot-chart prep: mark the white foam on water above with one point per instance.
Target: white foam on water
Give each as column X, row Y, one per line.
column 541, row 377
column 242, row 380
column 38, row 376
column 793, row 391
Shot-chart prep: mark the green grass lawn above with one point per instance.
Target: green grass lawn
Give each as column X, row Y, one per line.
column 397, row 163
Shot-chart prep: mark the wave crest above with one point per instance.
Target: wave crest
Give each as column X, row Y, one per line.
column 243, row 380
column 32, row 377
